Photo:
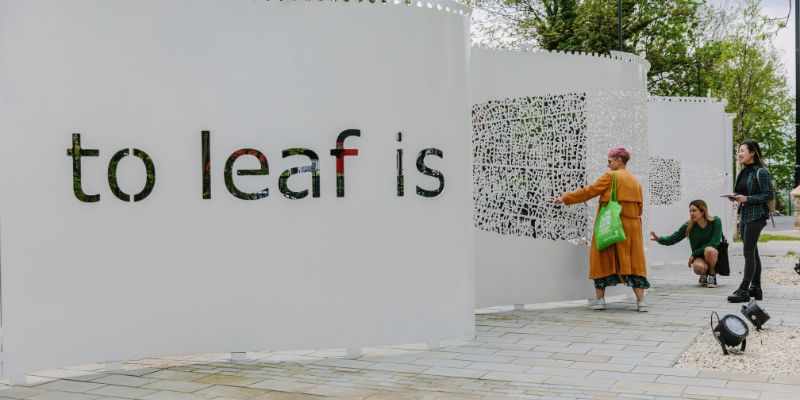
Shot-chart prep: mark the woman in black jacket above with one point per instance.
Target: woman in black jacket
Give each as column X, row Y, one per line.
column 752, row 191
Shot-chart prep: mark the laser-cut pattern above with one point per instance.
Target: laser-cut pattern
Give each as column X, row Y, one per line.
column 528, row 151
column 617, row 118
column 698, row 180
column 665, row 181
column 673, row 182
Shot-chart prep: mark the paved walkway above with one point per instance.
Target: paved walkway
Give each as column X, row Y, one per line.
column 558, row 351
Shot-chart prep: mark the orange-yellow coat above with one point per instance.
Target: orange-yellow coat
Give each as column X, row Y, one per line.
column 626, row 257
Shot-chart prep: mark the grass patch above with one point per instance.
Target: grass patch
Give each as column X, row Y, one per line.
column 766, row 237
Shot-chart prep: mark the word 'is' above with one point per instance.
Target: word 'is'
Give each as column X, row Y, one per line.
column 339, row 152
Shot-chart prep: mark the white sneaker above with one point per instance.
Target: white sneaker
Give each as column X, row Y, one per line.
column 703, row 280
column 711, row 281
column 641, row 306
column 597, row 304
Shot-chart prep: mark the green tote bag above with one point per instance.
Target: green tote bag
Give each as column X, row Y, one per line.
column 608, row 227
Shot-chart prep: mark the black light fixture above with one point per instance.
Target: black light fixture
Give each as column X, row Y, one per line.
column 730, row 331
column 753, row 312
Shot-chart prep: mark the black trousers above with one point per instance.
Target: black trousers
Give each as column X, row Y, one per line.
column 752, row 262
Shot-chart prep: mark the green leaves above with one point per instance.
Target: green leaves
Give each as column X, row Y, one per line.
column 747, row 71
column 694, row 47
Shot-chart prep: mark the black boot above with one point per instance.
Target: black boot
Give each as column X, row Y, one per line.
column 756, row 293
column 739, row 296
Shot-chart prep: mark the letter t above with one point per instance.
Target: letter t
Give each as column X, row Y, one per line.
column 76, row 152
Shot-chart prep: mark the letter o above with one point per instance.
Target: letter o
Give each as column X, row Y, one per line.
column 150, row 169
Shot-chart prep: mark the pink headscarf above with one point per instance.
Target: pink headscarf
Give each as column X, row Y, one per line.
column 619, row 152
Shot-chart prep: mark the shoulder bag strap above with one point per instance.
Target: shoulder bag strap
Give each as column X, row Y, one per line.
column 758, row 180
column 613, row 186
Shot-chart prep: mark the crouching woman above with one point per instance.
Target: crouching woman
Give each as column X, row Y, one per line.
column 705, row 233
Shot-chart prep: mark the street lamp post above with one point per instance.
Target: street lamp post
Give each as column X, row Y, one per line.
column 699, row 83
column 619, row 26
column 796, row 83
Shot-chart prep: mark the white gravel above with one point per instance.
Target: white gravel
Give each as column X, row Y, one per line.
column 782, row 274
column 775, row 350
column 779, row 276
column 775, row 271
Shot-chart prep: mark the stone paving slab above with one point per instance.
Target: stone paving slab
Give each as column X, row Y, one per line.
column 562, row 351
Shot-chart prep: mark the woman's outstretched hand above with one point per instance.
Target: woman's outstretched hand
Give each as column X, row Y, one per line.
column 558, row 201
column 653, row 236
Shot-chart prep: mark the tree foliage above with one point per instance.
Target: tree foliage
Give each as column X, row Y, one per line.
column 660, row 30
column 745, row 68
column 695, row 49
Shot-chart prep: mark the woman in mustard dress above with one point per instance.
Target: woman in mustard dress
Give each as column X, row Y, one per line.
column 622, row 262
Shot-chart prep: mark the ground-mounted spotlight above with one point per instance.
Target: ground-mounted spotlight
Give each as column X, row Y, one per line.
column 753, row 313
column 797, row 266
column 730, row 331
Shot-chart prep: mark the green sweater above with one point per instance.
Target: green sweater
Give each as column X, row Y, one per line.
column 699, row 239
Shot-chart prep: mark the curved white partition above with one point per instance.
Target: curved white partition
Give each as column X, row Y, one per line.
column 176, row 260
column 542, row 123
column 692, row 158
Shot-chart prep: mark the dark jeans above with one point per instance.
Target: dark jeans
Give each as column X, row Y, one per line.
column 752, row 262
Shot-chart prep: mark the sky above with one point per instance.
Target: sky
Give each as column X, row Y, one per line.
column 784, row 41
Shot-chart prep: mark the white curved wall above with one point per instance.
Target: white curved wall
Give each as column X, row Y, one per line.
column 696, row 134
column 598, row 101
column 178, row 274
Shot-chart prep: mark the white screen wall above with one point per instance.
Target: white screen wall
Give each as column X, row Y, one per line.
column 176, row 273
column 695, row 135
column 543, row 122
